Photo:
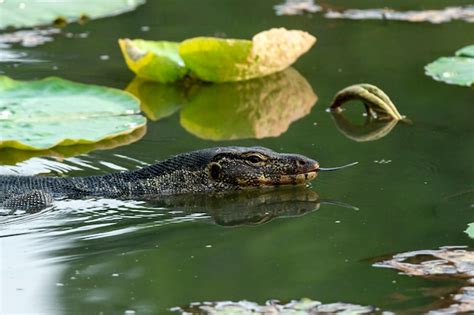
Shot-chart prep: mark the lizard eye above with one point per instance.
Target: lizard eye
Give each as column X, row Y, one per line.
column 254, row 159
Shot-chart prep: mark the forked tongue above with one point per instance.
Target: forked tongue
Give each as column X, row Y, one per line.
column 328, row 169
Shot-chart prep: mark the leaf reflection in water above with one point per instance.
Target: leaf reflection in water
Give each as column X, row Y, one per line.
column 257, row 108
column 372, row 129
column 11, row 156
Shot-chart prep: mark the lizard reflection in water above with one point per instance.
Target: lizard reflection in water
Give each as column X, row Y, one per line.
column 250, row 207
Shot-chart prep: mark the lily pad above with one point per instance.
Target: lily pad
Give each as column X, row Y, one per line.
column 38, row 115
column 224, row 60
column 156, row 61
column 454, row 70
column 257, row 108
column 21, row 13
column 470, row 230
column 467, row 51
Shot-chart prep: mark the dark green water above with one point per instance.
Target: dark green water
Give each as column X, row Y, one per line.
column 88, row 257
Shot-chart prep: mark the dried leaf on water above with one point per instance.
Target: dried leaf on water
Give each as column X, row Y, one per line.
column 296, row 307
column 447, row 261
column 432, row 16
column 377, row 103
column 296, row 7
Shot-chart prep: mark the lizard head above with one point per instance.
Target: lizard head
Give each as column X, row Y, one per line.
column 258, row 167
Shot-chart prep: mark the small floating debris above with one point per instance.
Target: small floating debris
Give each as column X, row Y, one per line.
column 16, row 56
column 432, row 16
column 296, row 7
column 303, row 306
column 454, row 262
column 382, row 161
column 28, row 38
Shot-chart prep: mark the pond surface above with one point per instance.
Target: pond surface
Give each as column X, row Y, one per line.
column 412, row 189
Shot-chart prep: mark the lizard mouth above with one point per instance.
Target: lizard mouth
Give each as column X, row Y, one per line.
column 293, row 179
column 298, row 179
column 306, row 173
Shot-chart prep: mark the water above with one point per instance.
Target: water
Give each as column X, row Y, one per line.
column 411, row 190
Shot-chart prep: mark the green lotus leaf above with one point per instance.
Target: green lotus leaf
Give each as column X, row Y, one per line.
column 158, row 100
column 470, row 230
column 38, row 115
column 454, row 70
column 21, row 13
column 467, row 51
column 225, row 60
column 257, row 108
column 151, row 60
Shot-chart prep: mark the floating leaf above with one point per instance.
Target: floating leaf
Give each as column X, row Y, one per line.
column 467, row 51
column 377, row 103
column 158, row 100
column 223, row 60
column 470, row 230
column 21, row 13
column 258, row 108
column 39, row 115
column 156, row 61
column 454, row 70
